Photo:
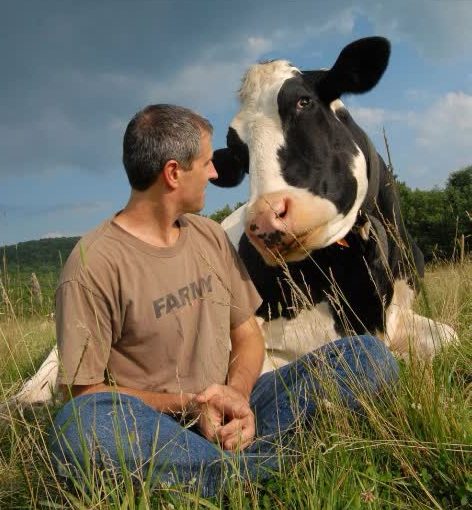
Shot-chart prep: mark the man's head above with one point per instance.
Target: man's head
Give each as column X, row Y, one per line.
column 158, row 134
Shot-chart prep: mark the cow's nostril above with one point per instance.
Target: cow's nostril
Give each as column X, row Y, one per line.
column 280, row 209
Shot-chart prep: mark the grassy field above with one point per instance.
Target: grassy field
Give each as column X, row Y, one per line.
column 412, row 450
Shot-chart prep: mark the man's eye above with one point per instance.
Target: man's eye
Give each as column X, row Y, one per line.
column 303, row 102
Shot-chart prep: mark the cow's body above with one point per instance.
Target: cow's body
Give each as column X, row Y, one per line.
column 321, row 234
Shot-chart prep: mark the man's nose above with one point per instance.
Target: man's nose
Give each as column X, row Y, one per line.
column 212, row 173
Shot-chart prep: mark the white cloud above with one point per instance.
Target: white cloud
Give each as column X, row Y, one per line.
column 428, row 143
column 204, row 86
column 117, row 124
column 289, row 35
column 448, row 120
column 342, row 22
column 438, row 29
column 210, row 83
column 369, row 118
column 373, row 119
column 443, row 135
column 51, row 235
column 259, row 45
column 420, row 95
column 85, row 207
column 222, row 76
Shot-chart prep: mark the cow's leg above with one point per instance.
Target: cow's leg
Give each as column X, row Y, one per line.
column 410, row 334
column 41, row 387
column 287, row 340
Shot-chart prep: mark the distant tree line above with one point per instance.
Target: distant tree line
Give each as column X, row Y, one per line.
column 36, row 256
column 436, row 218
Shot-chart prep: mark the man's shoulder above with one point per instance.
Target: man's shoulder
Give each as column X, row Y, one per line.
column 207, row 229
column 91, row 252
column 204, row 225
column 196, row 219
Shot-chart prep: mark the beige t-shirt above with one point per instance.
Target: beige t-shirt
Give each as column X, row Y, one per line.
column 151, row 318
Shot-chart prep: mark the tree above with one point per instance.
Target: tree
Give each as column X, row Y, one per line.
column 459, row 198
column 436, row 218
column 220, row 214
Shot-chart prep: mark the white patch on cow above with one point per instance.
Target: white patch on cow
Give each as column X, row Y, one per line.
column 336, row 105
column 262, row 82
column 258, row 124
column 287, row 340
column 340, row 227
column 263, row 136
column 42, row 386
column 410, row 334
column 234, row 225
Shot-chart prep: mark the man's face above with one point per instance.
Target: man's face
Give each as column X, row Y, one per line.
column 195, row 179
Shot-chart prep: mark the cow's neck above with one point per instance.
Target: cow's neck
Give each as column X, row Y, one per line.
column 373, row 173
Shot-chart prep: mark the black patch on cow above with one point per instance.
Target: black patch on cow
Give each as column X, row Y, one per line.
column 357, row 70
column 357, row 270
column 319, row 151
column 231, row 163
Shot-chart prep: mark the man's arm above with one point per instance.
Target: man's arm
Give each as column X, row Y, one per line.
column 170, row 403
column 247, row 356
column 232, row 400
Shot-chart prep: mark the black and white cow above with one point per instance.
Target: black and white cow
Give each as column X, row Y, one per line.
column 321, row 234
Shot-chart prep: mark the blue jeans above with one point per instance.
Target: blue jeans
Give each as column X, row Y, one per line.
column 113, row 432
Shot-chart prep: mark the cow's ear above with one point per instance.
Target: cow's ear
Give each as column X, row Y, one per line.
column 358, row 69
column 229, row 168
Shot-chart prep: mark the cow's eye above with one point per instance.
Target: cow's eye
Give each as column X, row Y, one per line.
column 304, row 102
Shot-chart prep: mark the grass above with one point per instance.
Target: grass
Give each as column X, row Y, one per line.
column 412, row 450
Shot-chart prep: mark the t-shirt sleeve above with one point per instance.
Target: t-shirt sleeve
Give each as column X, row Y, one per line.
column 245, row 299
column 84, row 334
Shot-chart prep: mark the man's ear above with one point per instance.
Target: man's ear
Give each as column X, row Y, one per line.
column 170, row 173
column 229, row 168
column 358, row 69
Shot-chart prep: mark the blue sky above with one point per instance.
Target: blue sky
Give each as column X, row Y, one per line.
column 74, row 73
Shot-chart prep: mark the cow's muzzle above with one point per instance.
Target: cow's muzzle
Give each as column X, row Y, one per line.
column 284, row 226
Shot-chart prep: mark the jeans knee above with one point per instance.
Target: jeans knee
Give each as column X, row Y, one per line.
column 377, row 354
column 369, row 356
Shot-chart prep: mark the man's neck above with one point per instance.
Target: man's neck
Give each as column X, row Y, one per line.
column 153, row 222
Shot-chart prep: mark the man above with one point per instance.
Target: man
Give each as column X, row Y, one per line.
column 158, row 343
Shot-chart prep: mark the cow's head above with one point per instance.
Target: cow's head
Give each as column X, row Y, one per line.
column 305, row 156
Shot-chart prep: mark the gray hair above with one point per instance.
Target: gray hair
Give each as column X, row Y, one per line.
column 158, row 134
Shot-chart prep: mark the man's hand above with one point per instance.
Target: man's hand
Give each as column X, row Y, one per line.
column 224, row 404
column 209, row 420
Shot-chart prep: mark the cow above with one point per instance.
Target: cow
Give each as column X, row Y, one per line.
column 321, row 234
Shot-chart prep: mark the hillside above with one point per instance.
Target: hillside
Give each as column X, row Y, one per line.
column 39, row 256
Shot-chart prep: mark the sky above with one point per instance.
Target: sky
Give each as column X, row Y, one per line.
column 74, row 73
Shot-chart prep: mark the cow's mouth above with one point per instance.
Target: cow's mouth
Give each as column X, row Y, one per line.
column 287, row 227
column 279, row 247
